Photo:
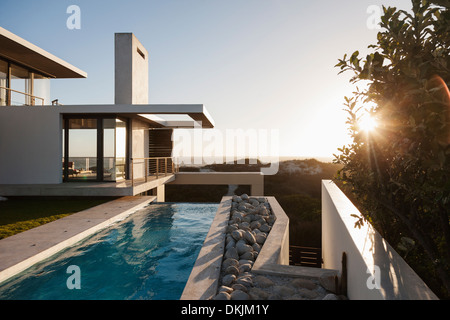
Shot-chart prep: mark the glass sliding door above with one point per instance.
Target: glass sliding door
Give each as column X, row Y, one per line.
column 81, row 150
column 95, row 149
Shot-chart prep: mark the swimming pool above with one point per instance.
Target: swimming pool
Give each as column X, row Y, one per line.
column 148, row 255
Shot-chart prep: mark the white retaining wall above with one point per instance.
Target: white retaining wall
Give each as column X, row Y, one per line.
column 375, row 271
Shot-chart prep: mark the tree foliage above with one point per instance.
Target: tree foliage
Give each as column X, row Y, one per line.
column 400, row 172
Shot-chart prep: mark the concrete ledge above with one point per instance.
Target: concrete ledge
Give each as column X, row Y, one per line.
column 86, row 189
column 273, row 258
column 204, row 278
column 22, row 250
column 275, row 250
column 376, row 271
column 254, row 179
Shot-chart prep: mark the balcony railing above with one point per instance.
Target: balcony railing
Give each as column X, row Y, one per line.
column 144, row 168
column 11, row 97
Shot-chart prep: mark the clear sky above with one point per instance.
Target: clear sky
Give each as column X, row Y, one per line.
column 259, row 64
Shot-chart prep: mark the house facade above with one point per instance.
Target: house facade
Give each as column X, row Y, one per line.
column 49, row 148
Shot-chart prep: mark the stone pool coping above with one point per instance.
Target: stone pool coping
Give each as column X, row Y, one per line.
column 20, row 251
column 273, row 258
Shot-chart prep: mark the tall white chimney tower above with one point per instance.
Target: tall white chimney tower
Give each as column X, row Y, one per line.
column 131, row 70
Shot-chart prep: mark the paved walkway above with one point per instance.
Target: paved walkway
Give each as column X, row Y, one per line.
column 22, row 250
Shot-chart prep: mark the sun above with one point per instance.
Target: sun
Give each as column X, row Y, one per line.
column 367, row 123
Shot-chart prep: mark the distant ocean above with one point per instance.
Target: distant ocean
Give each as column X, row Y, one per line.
column 189, row 162
column 83, row 163
column 321, row 159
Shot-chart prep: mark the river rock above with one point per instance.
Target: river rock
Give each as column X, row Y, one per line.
column 260, row 238
column 244, row 226
column 238, row 286
column 242, row 247
column 222, row 296
column 263, row 211
column 249, row 237
column 230, row 244
column 244, row 261
column 256, row 247
column 308, row 294
column 242, row 208
column 237, row 234
column 330, row 296
column 229, row 262
column 265, row 228
column 236, row 198
column 245, row 267
column 228, row 279
column 283, row 291
column 255, row 225
column 245, row 280
column 232, row 253
column 232, row 270
column 225, row 289
column 239, row 295
column 263, row 282
column 258, row 294
column 248, row 256
column 304, row 283
column 231, row 228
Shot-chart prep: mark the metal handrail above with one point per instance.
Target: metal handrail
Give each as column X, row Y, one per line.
column 154, row 166
column 33, row 98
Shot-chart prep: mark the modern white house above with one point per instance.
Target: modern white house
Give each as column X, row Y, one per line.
column 49, row 148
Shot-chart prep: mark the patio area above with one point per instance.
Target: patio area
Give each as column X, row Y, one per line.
column 113, row 189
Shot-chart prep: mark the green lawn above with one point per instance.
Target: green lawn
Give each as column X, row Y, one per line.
column 20, row 214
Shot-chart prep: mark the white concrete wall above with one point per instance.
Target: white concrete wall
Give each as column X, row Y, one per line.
column 131, row 70
column 30, row 145
column 254, row 179
column 140, row 147
column 375, row 270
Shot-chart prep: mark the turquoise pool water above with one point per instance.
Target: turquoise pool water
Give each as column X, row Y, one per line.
column 148, row 255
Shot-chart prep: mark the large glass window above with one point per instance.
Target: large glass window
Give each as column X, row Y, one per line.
column 82, row 164
column 21, row 83
column 114, row 149
column 20, row 86
column 41, row 90
column 3, row 83
column 96, row 149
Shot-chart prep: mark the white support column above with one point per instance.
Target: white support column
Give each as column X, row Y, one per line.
column 160, row 192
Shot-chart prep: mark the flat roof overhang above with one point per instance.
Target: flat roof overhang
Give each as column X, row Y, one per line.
column 197, row 115
column 18, row 50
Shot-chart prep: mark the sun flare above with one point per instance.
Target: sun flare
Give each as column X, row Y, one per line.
column 367, row 123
